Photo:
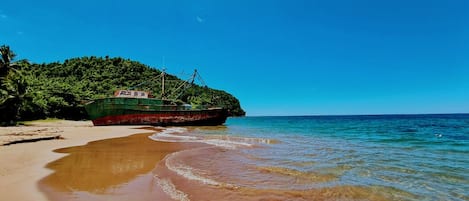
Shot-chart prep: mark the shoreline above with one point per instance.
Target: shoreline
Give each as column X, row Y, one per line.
column 23, row 165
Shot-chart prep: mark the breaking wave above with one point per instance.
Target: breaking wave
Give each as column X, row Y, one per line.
column 179, row 134
column 187, row 171
column 169, row 188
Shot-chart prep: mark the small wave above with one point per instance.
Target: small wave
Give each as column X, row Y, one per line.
column 408, row 130
column 300, row 163
column 175, row 130
column 312, row 176
column 172, row 135
column 186, row 171
column 166, row 137
column 169, row 188
column 175, row 134
column 226, row 143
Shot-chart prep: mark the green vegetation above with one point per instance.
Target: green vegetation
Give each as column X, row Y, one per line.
column 59, row 90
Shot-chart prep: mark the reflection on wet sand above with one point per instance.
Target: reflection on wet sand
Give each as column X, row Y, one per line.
column 107, row 167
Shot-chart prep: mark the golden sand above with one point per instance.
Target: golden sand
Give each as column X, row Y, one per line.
column 23, row 165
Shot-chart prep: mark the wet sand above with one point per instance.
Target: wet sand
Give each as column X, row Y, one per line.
column 110, row 169
column 23, row 165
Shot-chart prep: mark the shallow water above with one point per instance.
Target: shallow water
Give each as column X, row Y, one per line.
column 392, row 157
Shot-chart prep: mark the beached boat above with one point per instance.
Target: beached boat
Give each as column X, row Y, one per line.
column 132, row 107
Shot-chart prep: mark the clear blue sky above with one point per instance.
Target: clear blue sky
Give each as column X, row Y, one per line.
column 278, row 57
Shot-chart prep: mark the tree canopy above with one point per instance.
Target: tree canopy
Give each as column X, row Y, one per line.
column 60, row 89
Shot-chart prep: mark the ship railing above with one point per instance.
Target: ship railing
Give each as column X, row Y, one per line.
column 183, row 107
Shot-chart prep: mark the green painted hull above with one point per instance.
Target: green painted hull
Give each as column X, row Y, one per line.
column 149, row 111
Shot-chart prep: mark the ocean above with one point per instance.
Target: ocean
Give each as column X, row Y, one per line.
column 372, row 157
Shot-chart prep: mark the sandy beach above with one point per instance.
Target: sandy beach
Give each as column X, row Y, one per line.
column 239, row 161
column 22, row 165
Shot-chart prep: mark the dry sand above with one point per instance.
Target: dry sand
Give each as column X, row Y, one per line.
column 23, row 165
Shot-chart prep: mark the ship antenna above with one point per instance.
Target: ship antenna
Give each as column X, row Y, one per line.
column 196, row 74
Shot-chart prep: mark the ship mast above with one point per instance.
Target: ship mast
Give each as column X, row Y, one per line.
column 176, row 91
column 162, row 84
column 163, row 73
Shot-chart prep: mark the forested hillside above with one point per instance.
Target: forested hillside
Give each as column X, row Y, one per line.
column 35, row 91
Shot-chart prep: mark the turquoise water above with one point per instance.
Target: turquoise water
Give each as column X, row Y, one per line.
column 413, row 157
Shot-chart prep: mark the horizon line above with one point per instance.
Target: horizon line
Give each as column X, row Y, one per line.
column 389, row 114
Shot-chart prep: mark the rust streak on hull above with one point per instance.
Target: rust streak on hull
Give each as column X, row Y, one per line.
column 180, row 118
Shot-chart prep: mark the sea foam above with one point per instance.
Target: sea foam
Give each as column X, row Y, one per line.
column 178, row 134
column 169, row 188
column 186, row 171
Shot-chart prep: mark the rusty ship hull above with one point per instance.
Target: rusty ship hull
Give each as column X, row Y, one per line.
column 149, row 111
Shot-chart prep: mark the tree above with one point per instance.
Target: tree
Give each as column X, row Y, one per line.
column 7, row 56
column 13, row 87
